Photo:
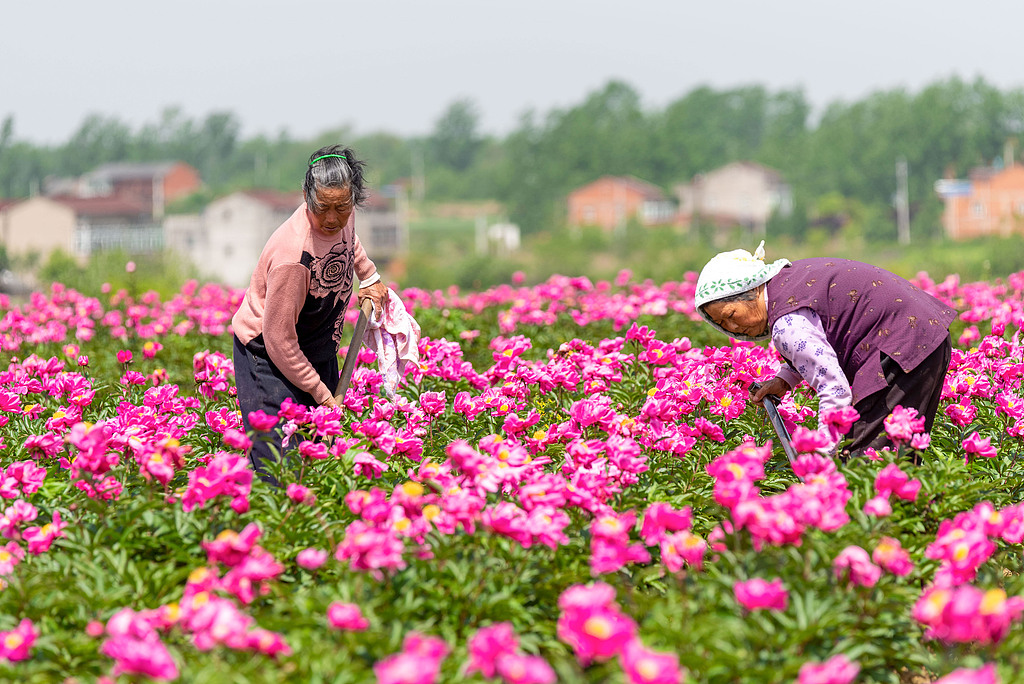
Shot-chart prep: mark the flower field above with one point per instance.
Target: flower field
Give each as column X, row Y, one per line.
column 569, row 486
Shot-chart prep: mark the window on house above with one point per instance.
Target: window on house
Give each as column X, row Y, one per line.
column 589, row 214
column 977, row 210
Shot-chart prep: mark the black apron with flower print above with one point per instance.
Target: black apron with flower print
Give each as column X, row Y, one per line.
column 322, row 317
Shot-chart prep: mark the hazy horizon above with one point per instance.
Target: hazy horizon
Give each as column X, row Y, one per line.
column 396, row 65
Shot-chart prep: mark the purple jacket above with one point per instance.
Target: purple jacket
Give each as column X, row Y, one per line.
column 866, row 312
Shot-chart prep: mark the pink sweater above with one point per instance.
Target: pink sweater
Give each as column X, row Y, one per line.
column 295, row 304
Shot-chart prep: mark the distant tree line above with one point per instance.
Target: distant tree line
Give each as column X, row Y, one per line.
column 839, row 162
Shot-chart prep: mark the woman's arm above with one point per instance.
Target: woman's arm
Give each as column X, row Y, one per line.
column 287, row 286
column 370, row 285
column 800, row 337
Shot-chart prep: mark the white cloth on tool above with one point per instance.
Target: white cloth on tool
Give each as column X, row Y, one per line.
column 394, row 335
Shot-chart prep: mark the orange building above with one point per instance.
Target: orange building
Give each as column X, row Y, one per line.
column 991, row 202
column 154, row 184
column 612, row 201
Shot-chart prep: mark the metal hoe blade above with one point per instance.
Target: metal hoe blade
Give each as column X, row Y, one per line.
column 365, row 311
column 780, row 427
column 772, row 409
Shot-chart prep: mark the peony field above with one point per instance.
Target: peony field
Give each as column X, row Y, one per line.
column 569, row 486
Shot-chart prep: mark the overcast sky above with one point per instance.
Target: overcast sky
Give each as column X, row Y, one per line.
column 395, row 65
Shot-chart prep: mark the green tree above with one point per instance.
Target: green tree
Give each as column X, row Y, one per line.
column 455, row 140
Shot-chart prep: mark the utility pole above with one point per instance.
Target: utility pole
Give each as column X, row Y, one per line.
column 902, row 203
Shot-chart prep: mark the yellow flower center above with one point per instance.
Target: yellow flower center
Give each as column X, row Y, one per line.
column 647, row 668
column 412, row 489
column 597, row 627
column 198, row 575
column 992, row 602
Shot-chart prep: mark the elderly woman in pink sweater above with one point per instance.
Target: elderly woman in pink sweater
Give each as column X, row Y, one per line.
column 289, row 324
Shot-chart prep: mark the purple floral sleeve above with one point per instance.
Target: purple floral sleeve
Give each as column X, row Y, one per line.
column 800, row 337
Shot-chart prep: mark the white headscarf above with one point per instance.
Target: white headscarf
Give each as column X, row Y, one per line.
column 731, row 273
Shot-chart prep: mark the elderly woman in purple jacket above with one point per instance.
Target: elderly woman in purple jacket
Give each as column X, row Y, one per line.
column 857, row 334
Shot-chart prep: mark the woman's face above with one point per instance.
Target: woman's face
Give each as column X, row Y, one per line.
column 332, row 208
column 741, row 318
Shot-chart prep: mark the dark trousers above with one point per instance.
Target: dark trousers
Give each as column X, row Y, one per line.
column 262, row 387
column 920, row 389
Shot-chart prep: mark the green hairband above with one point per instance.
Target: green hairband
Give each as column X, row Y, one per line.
column 339, row 156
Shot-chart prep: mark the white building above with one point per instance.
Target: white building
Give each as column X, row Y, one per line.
column 741, row 193
column 224, row 241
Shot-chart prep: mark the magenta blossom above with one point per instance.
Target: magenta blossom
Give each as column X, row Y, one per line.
column 489, row 644
column 854, row 564
column 976, row 445
column 16, row 644
column 346, row 617
column 836, row 670
column 902, row 424
column 517, row 668
column 641, row 665
column 311, row 559
column 758, row 594
column 892, row 557
column 983, row 675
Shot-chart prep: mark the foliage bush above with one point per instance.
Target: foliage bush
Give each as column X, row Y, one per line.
column 510, row 485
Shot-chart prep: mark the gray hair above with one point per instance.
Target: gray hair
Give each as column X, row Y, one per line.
column 342, row 170
column 745, row 296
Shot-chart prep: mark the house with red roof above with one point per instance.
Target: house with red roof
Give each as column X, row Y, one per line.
column 989, row 202
column 610, row 202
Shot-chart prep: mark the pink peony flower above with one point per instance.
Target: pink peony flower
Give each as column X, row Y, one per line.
column 963, row 675
column 311, row 559
column 346, row 617
column 16, row 644
column 644, row 666
column 854, row 564
column 367, row 466
column 236, row 439
column 595, row 630
column 878, row 506
column 892, row 557
column 517, row 668
column 262, row 422
column 975, row 445
column 892, row 480
column 300, row 494
column 487, row 645
column 836, row 670
column 757, row 594
column 902, row 424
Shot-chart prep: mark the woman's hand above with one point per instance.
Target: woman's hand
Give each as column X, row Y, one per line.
column 377, row 293
column 330, row 403
column 776, row 386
